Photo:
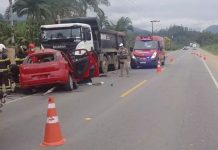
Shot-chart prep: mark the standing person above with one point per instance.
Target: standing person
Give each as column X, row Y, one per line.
column 123, row 54
column 21, row 53
column 4, row 68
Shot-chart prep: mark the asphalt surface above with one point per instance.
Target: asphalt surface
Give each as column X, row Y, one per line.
column 173, row 110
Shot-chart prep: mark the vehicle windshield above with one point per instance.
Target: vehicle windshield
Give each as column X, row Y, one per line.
column 146, row 45
column 63, row 33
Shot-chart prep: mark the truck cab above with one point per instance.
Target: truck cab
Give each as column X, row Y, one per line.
column 76, row 41
column 65, row 37
column 147, row 51
column 105, row 42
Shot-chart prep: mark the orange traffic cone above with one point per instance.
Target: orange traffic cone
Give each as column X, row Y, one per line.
column 159, row 67
column 52, row 136
column 205, row 58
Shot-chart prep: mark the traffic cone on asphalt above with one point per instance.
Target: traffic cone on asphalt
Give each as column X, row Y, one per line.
column 52, row 136
column 205, row 58
column 159, row 66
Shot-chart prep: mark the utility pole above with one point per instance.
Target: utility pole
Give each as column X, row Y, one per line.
column 12, row 22
column 152, row 25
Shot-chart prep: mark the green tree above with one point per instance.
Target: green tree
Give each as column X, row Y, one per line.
column 167, row 43
column 123, row 24
column 103, row 19
column 84, row 5
column 5, row 34
column 1, row 17
column 36, row 10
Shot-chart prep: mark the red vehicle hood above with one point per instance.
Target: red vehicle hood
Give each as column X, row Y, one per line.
column 143, row 53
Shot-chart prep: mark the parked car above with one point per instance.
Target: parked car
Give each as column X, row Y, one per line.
column 44, row 68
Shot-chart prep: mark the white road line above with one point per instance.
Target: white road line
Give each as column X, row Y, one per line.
column 18, row 99
column 211, row 74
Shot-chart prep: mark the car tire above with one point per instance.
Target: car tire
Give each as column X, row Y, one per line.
column 69, row 86
column 133, row 66
column 75, row 85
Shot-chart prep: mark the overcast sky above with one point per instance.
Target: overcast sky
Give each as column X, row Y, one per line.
column 196, row 14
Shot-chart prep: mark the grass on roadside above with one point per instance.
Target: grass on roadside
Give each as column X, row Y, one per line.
column 212, row 48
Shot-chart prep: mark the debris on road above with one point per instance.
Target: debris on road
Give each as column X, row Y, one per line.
column 50, row 91
column 96, row 84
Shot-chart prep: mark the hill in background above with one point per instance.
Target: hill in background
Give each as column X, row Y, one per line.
column 212, row 29
column 138, row 31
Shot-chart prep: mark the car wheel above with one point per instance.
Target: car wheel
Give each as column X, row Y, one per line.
column 75, row 85
column 69, row 86
column 133, row 66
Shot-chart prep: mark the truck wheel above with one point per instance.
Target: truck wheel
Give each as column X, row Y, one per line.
column 69, row 86
column 104, row 65
column 116, row 63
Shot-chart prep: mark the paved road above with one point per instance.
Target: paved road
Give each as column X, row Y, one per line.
column 174, row 110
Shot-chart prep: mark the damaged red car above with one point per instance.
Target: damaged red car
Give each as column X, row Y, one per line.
column 46, row 67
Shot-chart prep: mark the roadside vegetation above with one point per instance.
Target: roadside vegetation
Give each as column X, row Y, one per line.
column 211, row 48
column 34, row 13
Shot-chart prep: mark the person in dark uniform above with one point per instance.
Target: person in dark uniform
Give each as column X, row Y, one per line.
column 20, row 56
column 4, row 68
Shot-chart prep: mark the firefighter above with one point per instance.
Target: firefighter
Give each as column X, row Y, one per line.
column 20, row 56
column 123, row 54
column 31, row 48
column 4, row 68
column 21, row 53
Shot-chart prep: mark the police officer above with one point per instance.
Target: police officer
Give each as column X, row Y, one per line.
column 4, row 68
column 123, row 54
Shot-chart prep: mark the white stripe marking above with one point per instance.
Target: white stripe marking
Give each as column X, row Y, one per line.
column 52, row 120
column 211, row 74
column 18, row 99
column 51, row 105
